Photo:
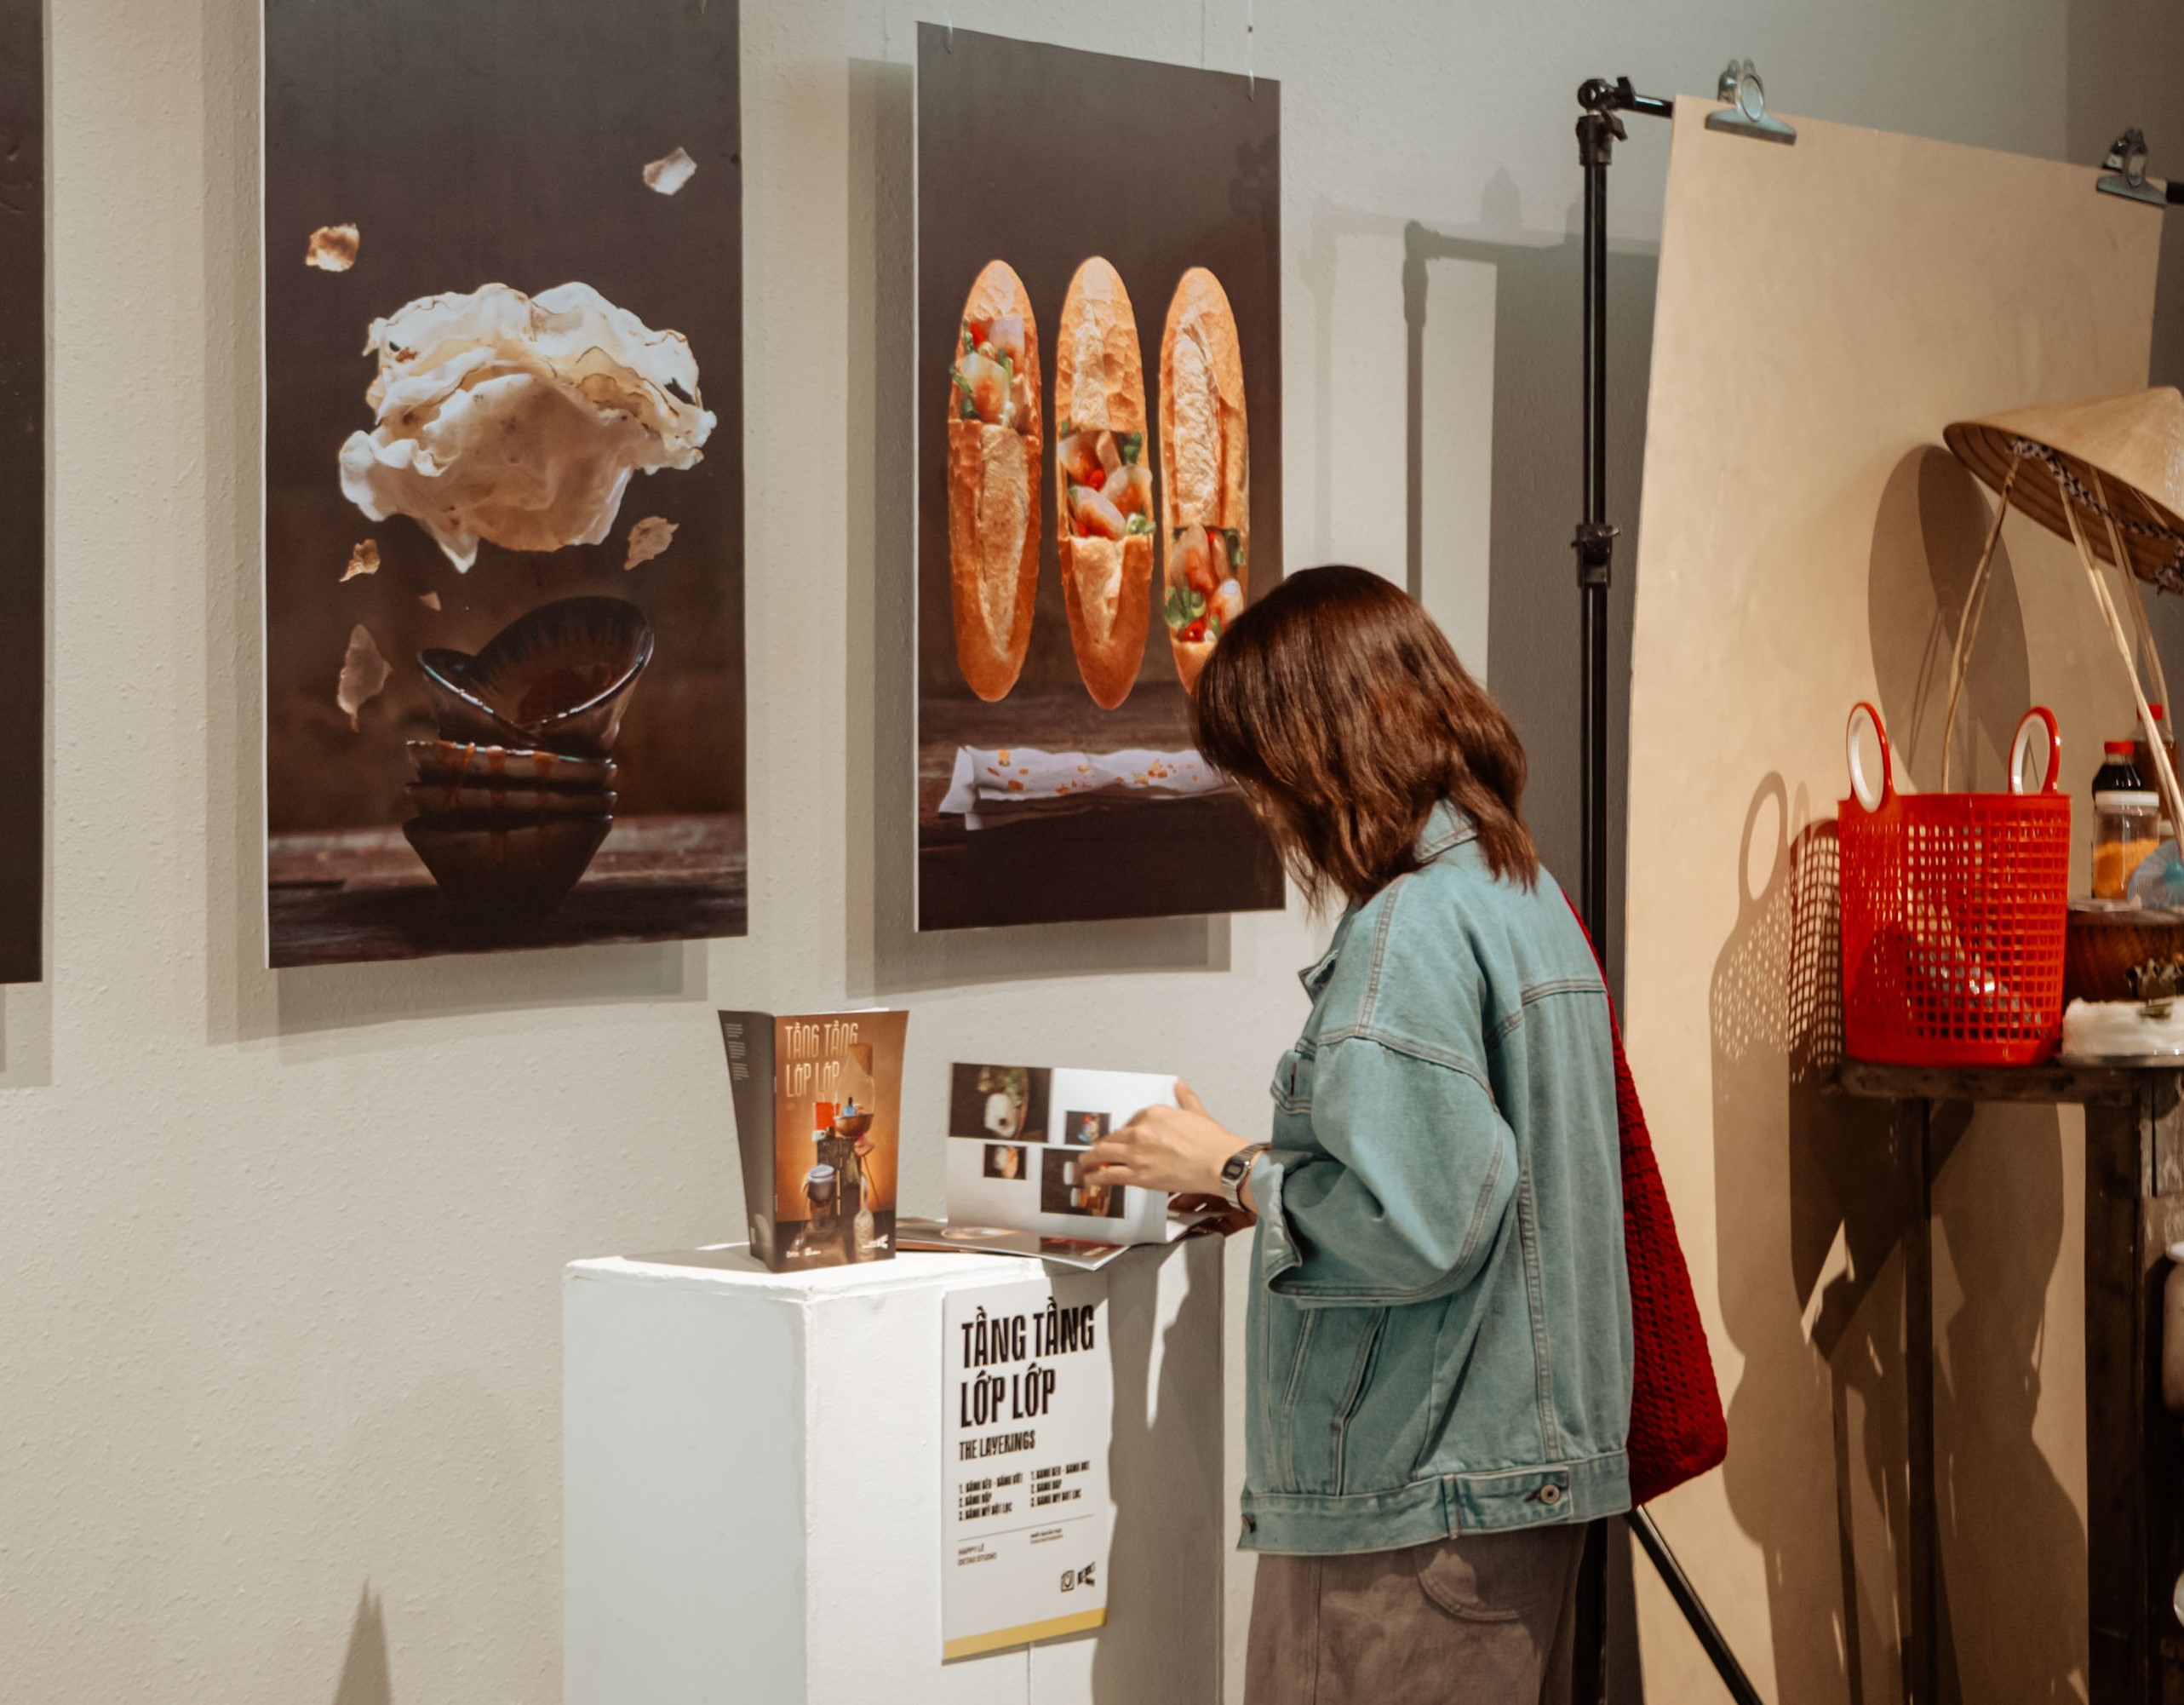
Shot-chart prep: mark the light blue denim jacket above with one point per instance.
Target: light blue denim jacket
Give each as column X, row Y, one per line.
column 1440, row 1331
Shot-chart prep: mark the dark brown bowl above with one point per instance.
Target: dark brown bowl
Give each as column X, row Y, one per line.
column 520, row 867
column 471, row 764
column 563, row 672
column 464, row 718
column 508, row 800
column 852, row 1125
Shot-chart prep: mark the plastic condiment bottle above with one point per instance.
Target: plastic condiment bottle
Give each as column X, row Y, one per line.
column 2118, row 773
column 2126, row 827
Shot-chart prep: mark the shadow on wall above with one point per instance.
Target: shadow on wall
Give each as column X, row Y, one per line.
column 1538, row 499
column 365, row 1679
column 1810, row 1198
column 2012, row 1545
column 886, row 955
column 1817, row 1471
column 1928, row 533
column 1156, row 1476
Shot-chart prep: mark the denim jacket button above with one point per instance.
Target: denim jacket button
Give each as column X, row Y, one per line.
column 1550, row 1494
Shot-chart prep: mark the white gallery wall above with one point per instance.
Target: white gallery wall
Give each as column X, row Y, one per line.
column 279, row 1255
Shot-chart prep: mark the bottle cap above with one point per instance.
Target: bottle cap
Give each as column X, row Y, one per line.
column 2127, row 799
column 2119, row 748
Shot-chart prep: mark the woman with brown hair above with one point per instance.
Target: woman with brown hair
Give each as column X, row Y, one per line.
column 1438, row 1350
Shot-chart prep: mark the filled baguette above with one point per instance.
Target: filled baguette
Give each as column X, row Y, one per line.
column 1102, row 485
column 1205, row 471
column 993, row 479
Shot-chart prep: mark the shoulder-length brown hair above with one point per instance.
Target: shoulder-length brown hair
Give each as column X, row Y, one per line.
column 1339, row 708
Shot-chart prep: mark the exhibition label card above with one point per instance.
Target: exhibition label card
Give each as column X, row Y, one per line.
column 1030, row 1399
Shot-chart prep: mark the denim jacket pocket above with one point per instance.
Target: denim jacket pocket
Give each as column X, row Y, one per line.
column 1293, row 1082
column 1330, row 1374
column 1368, row 1350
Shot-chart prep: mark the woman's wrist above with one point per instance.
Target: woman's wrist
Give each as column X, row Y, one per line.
column 1233, row 1180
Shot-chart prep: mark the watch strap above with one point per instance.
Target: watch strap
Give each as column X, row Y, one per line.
column 1238, row 1167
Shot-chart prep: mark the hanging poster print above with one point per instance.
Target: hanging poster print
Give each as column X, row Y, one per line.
column 1099, row 473
column 504, row 658
column 22, row 489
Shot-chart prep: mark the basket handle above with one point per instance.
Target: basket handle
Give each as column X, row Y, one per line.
column 1868, row 796
column 2039, row 719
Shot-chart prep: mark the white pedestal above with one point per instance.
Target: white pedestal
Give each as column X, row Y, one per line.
column 752, row 1490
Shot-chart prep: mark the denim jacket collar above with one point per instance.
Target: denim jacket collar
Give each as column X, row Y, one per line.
column 1446, row 828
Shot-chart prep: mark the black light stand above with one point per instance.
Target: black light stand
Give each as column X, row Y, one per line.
column 1598, row 130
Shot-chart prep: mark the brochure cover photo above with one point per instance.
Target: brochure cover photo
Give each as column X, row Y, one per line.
column 818, row 1103
column 1017, row 1137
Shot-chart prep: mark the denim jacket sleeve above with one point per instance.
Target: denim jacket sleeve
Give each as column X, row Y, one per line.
column 1408, row 1200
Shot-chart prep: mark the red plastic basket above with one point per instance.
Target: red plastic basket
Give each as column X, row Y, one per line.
column 1954, row 906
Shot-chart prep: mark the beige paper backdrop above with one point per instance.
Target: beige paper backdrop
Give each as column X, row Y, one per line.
column 1823, row 309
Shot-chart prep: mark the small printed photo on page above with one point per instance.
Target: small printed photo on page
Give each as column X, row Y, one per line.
column 1016, row 1157
column 1003, row 1103
column 1064, row 1188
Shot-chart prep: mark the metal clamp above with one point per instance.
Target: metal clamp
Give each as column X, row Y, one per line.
column 1747, row 114
column 1600, row 128
column 2126, row 174
column 1595, row 545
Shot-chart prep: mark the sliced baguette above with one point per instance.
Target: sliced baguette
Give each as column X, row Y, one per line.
column 1205, row 445
column 993, row 506
column 1100, row 386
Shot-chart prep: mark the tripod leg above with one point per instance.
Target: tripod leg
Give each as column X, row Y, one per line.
column 1695, row 1611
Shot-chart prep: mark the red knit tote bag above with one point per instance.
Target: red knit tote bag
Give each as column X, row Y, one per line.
column 1678, row 1431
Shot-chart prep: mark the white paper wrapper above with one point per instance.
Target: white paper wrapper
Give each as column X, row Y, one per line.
column 991, row 786
column 2122, row 1029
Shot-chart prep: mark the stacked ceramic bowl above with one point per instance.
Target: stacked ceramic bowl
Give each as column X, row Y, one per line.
column 517, row 792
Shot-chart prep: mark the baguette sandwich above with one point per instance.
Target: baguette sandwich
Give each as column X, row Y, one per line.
column 993, row 479
column 1104, row 487
column 1205, row 471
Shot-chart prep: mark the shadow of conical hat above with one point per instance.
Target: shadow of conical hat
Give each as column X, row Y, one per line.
column 2134, row 442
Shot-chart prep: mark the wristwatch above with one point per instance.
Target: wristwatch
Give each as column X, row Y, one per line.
column 1238, row 1167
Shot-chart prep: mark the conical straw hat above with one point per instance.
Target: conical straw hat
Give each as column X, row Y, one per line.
column 2134, row 442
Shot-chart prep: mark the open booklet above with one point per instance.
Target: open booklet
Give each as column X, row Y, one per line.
column 1082, row 1253
column 1017, row 1137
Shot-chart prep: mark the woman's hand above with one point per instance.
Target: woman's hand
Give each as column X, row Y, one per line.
column 1179, row 1149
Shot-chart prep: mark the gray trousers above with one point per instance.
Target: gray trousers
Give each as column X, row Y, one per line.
column 1488, row 1619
